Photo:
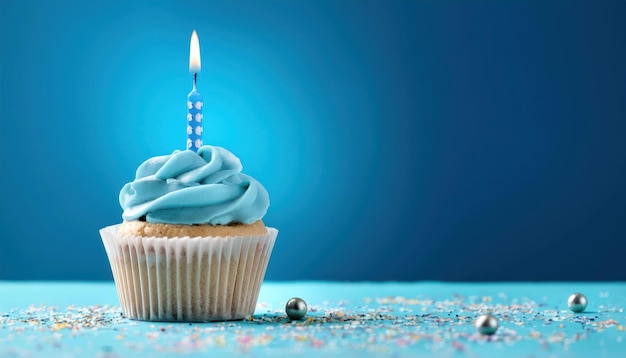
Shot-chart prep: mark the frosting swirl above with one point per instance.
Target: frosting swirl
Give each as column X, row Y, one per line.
column 206, row 187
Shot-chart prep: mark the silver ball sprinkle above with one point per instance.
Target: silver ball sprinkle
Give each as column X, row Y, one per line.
column 486, row 324
column 577, row 302
column 296, row 308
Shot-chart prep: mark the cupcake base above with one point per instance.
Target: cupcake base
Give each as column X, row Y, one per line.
column 188, row 279
column 144, row 228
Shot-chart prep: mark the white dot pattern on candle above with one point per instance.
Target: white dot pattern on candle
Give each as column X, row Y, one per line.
column 188, row 143
column 189, row 105
column 194, row 120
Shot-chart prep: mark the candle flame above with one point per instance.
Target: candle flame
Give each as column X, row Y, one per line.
column 194, row 53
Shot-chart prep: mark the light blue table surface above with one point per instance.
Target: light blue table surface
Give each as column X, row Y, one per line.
column 57, row 319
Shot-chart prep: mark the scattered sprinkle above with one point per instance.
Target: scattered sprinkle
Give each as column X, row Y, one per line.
column 377, row 325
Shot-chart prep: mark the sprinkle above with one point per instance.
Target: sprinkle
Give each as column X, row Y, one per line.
column 376, row 325
column 458, row 346
column 300, row 338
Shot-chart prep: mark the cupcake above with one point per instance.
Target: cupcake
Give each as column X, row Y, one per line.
column 192, row 245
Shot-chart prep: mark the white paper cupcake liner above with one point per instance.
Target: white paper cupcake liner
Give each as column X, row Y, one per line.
column 191, row 279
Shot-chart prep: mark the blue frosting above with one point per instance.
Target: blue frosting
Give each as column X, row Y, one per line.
column 206, row 187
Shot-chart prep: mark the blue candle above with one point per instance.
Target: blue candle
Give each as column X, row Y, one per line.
column 194, row 119
column 194, row 99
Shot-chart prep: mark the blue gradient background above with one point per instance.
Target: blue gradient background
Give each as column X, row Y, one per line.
column 401, row 140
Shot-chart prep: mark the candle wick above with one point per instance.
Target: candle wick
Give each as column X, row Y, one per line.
column 195, row 76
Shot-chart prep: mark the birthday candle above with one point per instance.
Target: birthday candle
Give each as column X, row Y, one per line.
column 194, row 99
